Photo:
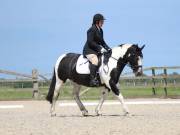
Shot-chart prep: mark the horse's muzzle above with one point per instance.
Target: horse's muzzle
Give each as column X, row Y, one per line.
column 139, row 72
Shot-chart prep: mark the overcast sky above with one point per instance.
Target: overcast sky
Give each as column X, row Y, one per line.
column 34, row 33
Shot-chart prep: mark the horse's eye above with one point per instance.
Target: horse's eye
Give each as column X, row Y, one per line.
column 133, row 54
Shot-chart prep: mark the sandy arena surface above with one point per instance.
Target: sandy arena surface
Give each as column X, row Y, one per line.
column 34, row 119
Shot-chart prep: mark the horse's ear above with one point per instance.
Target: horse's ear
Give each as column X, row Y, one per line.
column 136, row 46
column 142, row 47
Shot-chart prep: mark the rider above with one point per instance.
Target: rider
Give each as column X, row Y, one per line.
column 95, row 45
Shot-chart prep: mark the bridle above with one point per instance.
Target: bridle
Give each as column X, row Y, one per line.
column 128, row 64
column 122, row 62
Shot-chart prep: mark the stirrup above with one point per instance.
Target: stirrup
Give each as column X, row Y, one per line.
column 94, row 83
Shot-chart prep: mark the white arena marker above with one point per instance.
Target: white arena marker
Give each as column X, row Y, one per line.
column 11, row 106
column 74, row 104
column 153, row 102
column 128, row 103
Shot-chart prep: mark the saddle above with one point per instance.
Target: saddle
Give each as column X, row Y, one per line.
column 83, row 64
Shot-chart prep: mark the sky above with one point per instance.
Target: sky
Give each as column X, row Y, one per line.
column 34, row 33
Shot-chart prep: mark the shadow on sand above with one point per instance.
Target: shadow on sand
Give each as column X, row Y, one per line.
column 104, row 115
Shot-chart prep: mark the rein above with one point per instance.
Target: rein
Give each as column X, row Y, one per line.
column 120, row 61
column 133, row 67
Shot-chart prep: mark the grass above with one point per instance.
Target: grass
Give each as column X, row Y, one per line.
column 15, row 94
column 92, row 94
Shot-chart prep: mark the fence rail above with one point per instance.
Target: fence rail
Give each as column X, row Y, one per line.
column 31, row 78
column 150, row 77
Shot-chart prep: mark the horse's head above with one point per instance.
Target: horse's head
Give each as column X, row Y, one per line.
column 134, row 58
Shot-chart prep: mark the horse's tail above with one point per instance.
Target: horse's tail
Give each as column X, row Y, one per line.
column 50, row 95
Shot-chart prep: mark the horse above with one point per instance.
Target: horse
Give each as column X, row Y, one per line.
column 75, row 67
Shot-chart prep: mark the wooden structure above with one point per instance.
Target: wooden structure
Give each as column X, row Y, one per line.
column 153, row 77
column 27, row 78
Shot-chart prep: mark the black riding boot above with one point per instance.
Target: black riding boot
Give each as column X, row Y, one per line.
column 93, row 82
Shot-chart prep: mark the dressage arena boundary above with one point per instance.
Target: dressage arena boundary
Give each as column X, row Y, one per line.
column 95, row 103
column 36, row 79
column 11, row 106
column 149, row 102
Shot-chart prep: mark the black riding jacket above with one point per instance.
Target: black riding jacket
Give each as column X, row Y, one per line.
column 95, row 41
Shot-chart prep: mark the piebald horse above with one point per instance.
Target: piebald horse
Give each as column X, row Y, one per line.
column 76, row 68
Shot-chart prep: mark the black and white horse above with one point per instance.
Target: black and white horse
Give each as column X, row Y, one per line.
column 76, row 68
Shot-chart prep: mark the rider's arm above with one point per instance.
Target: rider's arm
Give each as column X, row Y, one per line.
column 104, row 43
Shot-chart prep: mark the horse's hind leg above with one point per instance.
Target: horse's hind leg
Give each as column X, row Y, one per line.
column 76, row 89
column 55, row 96
column 104, row 94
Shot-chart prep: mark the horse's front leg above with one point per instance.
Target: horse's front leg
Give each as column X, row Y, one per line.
column 119, row 96
column 76, row 89
column 125, row 108
column 104, row 94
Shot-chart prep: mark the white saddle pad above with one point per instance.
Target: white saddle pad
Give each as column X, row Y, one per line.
column 82, row 66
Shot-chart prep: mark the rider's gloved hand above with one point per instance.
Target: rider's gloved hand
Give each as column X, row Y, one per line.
column 109, row 50
column 103, row 50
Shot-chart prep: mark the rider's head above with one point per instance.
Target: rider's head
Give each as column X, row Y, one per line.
column 98, row 20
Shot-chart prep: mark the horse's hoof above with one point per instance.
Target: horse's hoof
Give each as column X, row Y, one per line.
column 85, row 113
column 98, row 113
column 53, row 114
column 127, row 114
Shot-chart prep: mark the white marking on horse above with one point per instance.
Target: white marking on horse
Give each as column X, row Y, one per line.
column 117, row 52
column 57, row 64
column 139, row 63
column 120, row 51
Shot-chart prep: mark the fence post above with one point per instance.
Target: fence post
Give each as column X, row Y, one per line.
column 35, row 83
column 134, row 83
column 174, row 82
column 145, row 83
column 153, row 81
column 165, row 81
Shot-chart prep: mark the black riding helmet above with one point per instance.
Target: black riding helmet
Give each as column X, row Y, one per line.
column 98, row 17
